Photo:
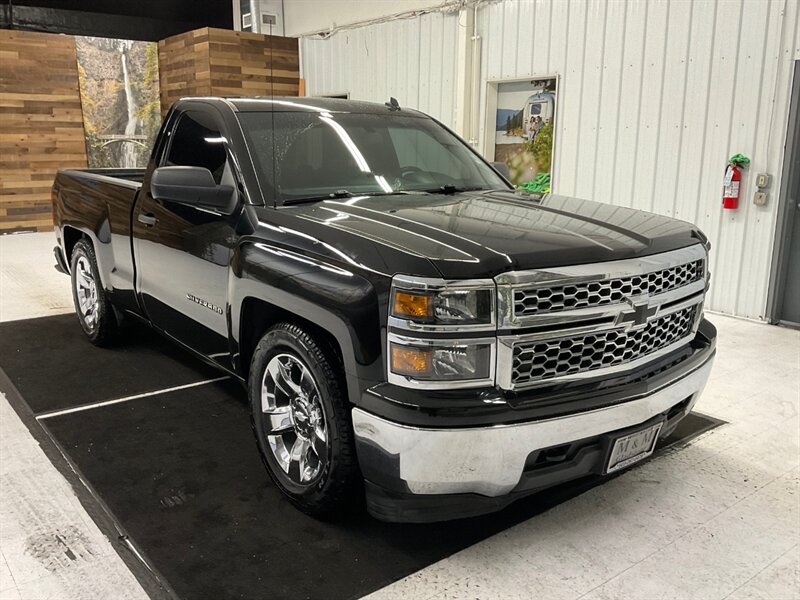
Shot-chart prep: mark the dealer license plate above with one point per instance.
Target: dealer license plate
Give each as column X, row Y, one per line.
column 633, row 448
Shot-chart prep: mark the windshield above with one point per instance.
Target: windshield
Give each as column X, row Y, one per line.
column 319, row 153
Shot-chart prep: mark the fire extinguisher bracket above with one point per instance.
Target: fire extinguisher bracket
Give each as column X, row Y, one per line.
column 731, row 184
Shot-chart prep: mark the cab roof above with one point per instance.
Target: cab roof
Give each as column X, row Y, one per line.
column 301, row 104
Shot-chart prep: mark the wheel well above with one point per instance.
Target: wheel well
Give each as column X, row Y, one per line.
column 258, row 315
column 71, row 237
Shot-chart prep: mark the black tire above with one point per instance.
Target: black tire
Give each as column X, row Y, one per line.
column 100, row 323
column 338, row 484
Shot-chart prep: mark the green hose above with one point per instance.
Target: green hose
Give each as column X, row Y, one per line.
column 538, row 185
column 740, row 160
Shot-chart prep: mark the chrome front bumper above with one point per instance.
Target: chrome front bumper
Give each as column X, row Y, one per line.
column 490, row 460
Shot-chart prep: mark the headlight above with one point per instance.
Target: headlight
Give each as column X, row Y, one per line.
column 435, row 302
column 442, row 334
column 456, row 362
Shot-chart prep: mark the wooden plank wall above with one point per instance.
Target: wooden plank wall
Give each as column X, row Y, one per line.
column 41, row 126
column 183, row 67
column 221, row 62
column 251, row 64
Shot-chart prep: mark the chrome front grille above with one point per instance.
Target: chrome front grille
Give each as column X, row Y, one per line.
column 559, row 357
column 547, row 299
column 585, row 321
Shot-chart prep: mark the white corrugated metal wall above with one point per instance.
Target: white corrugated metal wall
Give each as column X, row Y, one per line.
column 653, row 97
column 413, row 60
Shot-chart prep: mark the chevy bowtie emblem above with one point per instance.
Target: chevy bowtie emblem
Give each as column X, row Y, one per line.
column 637, row 316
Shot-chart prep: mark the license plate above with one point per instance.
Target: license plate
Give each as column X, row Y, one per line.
column 633, row 448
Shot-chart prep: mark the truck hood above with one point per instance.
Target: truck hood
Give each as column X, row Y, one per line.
column 472, row 235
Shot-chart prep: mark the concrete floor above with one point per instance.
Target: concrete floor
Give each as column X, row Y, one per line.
column 719, row 519
column 49, row 546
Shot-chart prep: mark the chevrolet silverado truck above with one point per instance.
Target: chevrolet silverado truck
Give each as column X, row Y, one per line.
column 409, row 328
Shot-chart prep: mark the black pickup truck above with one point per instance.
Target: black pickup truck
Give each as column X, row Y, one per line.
column 408, row 326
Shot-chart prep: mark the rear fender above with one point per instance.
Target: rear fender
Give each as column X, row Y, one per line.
column 81, row 212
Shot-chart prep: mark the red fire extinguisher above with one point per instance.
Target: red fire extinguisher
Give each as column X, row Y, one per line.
column 731, row 185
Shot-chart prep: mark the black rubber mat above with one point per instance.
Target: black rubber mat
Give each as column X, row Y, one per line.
column 181, row 474
column 54, row 366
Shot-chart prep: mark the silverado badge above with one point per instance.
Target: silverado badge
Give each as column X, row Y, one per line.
column 205, row 303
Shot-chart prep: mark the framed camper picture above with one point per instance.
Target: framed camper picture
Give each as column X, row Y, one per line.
column 520, row 129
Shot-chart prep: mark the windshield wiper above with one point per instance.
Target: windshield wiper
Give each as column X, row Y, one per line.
column 392, row 193
column 331, row 196
column 348, row 194
column 449, row 188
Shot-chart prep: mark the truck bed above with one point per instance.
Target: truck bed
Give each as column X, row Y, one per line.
column 123, row 176
column 99, row 203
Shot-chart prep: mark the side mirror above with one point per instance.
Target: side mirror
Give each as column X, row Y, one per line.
column 502, row 168
column 194, row 186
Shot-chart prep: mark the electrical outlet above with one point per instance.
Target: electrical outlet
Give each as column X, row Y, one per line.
column 763, row 181
column 760, row 199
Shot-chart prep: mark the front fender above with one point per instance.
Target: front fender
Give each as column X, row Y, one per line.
column 342, row 302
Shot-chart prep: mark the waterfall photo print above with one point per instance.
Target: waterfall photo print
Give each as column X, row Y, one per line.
column 120, row 100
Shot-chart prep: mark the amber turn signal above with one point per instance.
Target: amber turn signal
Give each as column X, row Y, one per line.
column 410, row 305
column 407, row 360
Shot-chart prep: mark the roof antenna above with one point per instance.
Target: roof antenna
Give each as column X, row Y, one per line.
column 393, row 104
column 272, row 117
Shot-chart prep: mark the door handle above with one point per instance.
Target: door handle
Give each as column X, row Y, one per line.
column 147, row 219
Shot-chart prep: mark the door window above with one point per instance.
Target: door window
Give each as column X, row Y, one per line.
column 197, row 142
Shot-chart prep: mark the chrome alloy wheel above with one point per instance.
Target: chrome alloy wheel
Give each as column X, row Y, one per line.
column 294, row 418
column 86, row 291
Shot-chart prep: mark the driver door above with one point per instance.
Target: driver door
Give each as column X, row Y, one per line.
column 183, row 252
